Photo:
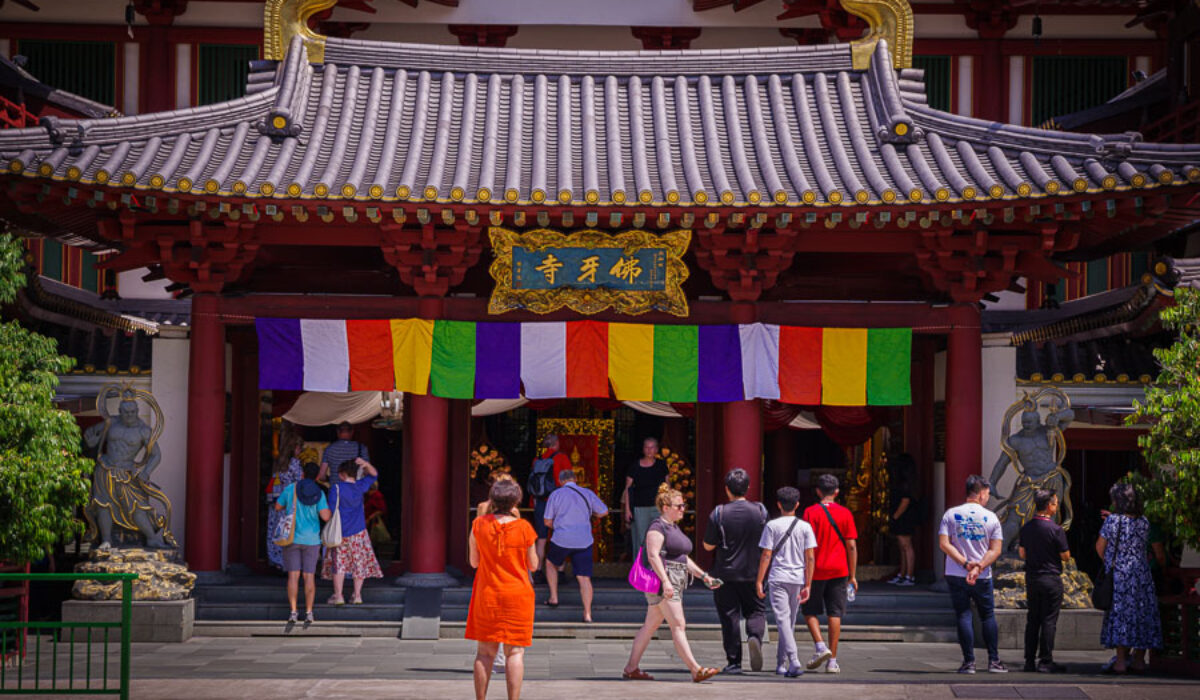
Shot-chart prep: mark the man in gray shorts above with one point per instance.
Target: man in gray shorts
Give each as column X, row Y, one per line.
column 301, row 556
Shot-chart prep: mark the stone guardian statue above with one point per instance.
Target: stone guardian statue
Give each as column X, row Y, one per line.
column 1036, row 453
column 127, row 453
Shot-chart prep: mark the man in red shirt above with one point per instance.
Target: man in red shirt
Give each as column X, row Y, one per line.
column 836, row 566
column 561, row 462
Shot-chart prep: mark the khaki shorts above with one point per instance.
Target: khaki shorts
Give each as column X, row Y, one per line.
column 677, row 574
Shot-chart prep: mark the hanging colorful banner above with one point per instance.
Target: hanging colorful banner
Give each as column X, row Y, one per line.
column 589, row 271
column 588, row 359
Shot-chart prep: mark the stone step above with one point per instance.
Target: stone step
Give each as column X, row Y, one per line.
column 547, row 630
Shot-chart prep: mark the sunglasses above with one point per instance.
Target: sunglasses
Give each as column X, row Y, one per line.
column 677, row 505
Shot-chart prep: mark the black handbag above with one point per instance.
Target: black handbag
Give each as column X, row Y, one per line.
column 1102, row 593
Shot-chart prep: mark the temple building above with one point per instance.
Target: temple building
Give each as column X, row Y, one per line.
column 794, row 244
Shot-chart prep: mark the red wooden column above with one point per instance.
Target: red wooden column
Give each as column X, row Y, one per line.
column 205, row 436
column 964, row 396
column 427, row 425
column 158, row 78
column 742, row 426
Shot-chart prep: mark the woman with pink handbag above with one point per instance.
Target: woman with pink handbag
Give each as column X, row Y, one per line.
column 662, row 571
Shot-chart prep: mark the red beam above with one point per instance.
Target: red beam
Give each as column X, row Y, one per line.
column 922, row 317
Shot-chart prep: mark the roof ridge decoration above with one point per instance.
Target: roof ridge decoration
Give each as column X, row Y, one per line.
column 285, row 19
column 890, row 21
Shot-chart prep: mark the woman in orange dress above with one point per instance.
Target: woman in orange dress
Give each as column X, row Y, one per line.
column 503, row 553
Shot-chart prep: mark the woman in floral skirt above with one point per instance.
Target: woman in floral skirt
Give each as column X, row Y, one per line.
column 355, row 557
column 1133, row 622
column 287, row 471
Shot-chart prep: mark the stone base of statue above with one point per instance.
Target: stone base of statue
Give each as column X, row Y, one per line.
column 161, row 576
column 1008, row 579
column 169, row 621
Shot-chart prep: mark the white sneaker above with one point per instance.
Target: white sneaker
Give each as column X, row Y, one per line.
column 832, row 667
column 907, row 581
column 781, row 669
column 819, row 658
column 895, row 580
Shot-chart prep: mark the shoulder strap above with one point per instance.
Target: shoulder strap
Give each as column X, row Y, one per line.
column 786, row 535
column 834, row 524
column 716, row 516
column 586, row 503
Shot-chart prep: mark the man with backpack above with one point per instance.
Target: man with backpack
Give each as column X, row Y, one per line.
column 543, row 479
column 733, row 531
column 834, row 574
column 569, row 513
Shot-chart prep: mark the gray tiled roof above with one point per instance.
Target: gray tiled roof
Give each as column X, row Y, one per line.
column 785, row 126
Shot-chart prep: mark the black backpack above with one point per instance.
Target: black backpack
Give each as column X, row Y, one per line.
column 541, row 480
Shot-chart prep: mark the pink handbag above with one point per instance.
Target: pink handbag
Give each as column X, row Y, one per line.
column 641, row 578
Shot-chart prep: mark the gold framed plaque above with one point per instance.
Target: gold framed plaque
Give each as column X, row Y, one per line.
column 588, row 271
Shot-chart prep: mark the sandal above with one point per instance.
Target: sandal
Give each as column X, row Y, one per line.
column 357, row 601
column 636, row 674
column 704, row 674
column 549, row 604
column 336, row 600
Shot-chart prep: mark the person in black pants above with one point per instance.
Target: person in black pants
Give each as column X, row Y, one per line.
column 733, row 531
column 1044, row 549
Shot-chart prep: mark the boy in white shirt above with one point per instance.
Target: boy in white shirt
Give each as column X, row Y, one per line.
column 787, row 544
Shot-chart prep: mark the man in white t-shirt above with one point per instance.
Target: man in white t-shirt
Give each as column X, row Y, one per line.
column 787, row 545
column 972, row 538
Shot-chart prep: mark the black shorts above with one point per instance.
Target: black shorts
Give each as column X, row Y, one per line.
column 828, row 598
column 581, row 559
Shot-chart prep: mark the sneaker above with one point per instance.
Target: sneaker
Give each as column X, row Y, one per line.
column 907, row 581
column 732, row 670
column 832, row 667
column 756, row 660
column 1051, row 667
column 782, row 669
column 795, row 671
column 1030, row 667
column 996, row 667
column 895, row 580
column 293, row 617
column 967, row 667
column 819, row 658
column 308, row 618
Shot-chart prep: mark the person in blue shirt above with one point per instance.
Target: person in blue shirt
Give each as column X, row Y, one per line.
column 569, row 512
column 354, row 556
column 300, row 557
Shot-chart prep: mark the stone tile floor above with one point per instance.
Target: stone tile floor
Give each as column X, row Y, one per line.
column 337, row 667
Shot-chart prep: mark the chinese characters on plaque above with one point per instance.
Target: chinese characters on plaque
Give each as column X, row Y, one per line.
column 588, row 271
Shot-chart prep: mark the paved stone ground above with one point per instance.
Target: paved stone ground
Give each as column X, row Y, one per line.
column 347, row 667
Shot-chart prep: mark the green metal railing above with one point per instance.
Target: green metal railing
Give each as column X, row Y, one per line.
column 17, row 638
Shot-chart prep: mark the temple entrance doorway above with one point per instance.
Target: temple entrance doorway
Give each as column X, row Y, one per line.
column 603, row 439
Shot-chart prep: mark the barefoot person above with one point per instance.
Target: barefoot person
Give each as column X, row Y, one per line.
column 666, row 551
column 502, row 550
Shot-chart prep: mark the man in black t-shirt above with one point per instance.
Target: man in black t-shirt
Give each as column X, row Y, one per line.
column 734, row 530
column 1044, row 549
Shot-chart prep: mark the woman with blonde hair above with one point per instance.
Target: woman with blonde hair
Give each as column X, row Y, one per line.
column 666, row 550
column 502, row 550
column 287, row 471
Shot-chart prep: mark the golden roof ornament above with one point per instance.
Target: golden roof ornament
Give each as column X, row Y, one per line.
column 285, row 19
column 891, row 20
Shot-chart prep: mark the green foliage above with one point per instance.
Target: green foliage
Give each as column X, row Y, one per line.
column 1171, row 492
column 43, row 478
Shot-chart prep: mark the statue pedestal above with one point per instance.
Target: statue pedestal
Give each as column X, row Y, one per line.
column 153, row 620
column 1008, row 578
column 161, row 576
